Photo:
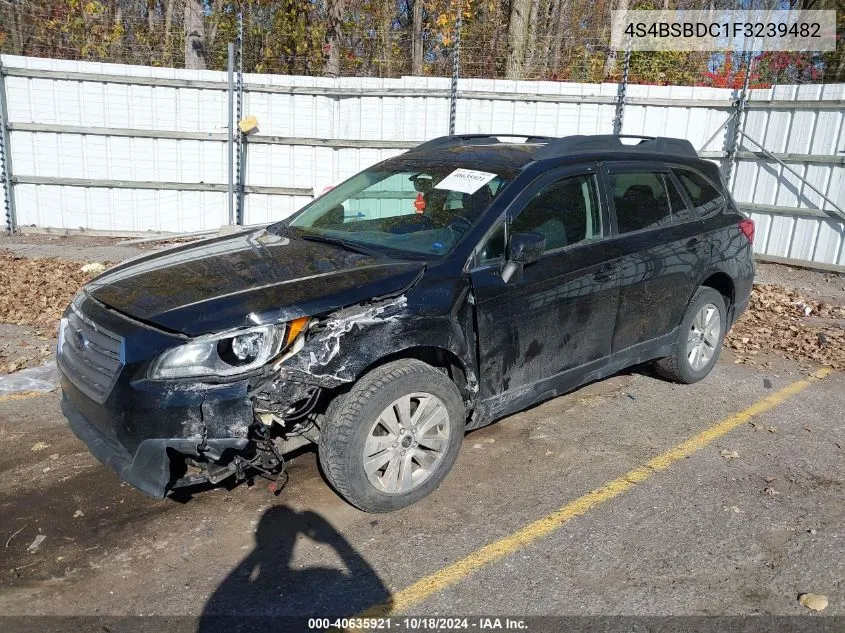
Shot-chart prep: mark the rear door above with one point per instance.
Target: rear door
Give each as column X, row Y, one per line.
column 662, row 251
column 559, row 314
column 709, row 204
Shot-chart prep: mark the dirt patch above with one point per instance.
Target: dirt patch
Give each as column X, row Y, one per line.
column 23, row 346
column 821, row 286
column 77, row 248
column 790, row 324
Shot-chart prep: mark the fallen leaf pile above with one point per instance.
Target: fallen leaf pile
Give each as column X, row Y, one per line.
column 36, row 291
column 783, row 321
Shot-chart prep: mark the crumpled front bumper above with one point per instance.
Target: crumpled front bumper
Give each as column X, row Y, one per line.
column 149, row 469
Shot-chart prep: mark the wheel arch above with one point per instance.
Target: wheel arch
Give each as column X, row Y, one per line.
column 438, row 357
column 722, row 283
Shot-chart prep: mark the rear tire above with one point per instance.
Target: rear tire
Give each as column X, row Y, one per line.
column 392, row 439
column 699, row 341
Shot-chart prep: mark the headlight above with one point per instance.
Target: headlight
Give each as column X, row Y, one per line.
column 226, row 354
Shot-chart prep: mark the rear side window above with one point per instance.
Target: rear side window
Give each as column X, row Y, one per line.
column 644, row 199
column 706, row 198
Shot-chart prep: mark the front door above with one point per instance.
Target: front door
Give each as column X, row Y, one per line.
column 542, row 326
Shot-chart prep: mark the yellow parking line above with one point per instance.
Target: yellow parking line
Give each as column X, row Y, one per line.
column 542, row 527
column 23, row 395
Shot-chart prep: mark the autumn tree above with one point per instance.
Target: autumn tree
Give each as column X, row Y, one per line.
column 194, row 35
column 417, row 37
column 560, row 40
column 517, row 37
column 331, row 47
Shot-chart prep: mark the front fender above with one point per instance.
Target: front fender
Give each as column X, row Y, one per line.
column 348, row 342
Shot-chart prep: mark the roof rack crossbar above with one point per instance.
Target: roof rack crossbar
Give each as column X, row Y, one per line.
column 478, row 139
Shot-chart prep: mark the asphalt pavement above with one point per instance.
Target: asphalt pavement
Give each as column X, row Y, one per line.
column 632, row 496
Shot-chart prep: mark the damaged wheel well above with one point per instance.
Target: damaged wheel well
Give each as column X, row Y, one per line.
column 437, row 357
column 721, row 283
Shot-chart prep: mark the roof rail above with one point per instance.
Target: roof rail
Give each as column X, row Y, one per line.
column 477, row 139
column 613, row 143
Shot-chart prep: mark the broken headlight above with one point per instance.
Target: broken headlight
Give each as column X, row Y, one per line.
column 226, row 354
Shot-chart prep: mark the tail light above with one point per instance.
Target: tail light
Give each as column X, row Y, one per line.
column 746, row 227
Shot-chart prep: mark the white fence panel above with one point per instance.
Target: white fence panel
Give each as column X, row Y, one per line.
column 814, row 134
column 130, row 148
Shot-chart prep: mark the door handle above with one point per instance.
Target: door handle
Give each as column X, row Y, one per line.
column 604, row 274
column 694, row 245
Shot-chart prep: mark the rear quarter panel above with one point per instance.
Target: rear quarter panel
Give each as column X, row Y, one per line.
column 730, row 253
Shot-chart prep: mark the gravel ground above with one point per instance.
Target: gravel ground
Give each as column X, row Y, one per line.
column 818, row 285
column 74, row 247
column 709, row 535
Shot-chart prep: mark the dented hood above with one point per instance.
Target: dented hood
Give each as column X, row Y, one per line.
column 247, row 279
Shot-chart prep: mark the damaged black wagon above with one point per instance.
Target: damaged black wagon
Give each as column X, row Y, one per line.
column 425, row 296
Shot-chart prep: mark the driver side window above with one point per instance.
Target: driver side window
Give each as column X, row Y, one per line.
column 565, row 212
column 494, row 248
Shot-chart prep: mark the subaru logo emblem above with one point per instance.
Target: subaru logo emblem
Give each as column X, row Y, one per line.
column 79, row 340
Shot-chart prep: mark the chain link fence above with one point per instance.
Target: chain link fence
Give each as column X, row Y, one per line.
column 570, row 43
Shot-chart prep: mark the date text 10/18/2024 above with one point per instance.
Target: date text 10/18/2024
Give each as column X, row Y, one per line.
column 418, row 624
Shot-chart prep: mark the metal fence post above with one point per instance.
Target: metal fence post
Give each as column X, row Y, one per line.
column 733, row 134
column 619, row 116
column 6, row 159
column 241, row 171
column 456, row 70
column 230, row 138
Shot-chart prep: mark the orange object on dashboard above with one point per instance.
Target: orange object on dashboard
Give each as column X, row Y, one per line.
column 419, row 203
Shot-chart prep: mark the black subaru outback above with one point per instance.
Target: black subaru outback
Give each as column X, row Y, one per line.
column 428, row 295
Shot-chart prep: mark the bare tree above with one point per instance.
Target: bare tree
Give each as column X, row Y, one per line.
column 385, row 46
column 11, row 13
column 194, row 35
column 151, row 16
column 168, row 24
column 610, row 60
column 416, row 38
column 334, row 17
column 559, row 24
column 118, row 22
column 536, row 25
column 517, row 38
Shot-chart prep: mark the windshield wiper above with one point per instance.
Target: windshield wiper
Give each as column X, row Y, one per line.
column 336, row 241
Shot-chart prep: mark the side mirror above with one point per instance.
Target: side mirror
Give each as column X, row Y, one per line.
column 525, row 248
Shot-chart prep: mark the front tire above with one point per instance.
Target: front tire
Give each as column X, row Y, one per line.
column 392, row 439
column 700, row 336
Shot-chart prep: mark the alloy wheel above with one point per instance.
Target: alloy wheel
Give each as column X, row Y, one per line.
column 704, row 336
column 406, row 443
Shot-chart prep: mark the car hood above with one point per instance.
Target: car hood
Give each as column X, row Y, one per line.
column 247, row 279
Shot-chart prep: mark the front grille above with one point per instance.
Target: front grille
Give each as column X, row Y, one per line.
column 90, row 356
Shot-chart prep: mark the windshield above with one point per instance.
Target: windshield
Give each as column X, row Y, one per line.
column 412, row 206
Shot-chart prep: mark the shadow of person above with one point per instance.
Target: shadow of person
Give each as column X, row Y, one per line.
column 267, row 585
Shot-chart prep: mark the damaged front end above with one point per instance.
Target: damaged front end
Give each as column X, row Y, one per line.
column 289, row 397
column 143, row 402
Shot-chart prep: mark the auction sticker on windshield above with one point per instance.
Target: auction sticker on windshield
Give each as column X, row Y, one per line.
column 465, row 180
